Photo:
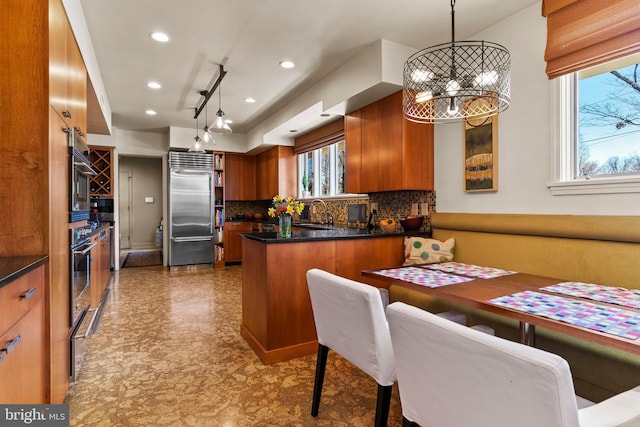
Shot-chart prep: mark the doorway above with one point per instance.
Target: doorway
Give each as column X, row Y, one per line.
column 125, row 208
column 141, row 207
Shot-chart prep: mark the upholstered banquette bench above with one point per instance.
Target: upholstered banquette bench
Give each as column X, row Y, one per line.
column 594, row 249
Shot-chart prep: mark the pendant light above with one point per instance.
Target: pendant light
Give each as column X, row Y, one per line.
column 219, row 125
column 197, row 144
column 452, row 82
column 206, row 137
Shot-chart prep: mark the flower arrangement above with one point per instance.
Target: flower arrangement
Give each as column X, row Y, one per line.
column 283, row 206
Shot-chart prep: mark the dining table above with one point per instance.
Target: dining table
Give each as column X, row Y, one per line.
column 534, row 301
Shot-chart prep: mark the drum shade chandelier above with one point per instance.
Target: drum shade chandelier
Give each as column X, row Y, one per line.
column 452, row 82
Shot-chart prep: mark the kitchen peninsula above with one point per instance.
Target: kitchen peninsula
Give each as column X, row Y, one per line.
column 277, row 320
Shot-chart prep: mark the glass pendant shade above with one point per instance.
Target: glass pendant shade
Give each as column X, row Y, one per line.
column 453, row 81
column 197, row 146
column 197, row 142
column 206, row 137
column 219, row 125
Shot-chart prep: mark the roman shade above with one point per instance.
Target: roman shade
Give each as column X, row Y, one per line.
column 326, row 135
column 584, row 33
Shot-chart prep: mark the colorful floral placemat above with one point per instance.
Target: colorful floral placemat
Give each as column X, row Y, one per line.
column 469, row 270
column 423, row 277
column 609, row 294
column 611, row 320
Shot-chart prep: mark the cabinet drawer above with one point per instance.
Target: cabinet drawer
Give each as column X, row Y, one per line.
column 22, row 368
column 20, row 296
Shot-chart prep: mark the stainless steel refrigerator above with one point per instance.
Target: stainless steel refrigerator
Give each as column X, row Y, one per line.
column 190, row 208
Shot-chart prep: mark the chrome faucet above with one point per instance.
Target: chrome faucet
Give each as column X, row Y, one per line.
column 326, row 209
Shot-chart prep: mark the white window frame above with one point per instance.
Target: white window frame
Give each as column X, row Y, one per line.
column 333, row 166
column 563, row 146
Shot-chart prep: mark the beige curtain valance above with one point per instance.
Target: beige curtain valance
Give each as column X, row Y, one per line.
column 325, row 135
column 584, row 33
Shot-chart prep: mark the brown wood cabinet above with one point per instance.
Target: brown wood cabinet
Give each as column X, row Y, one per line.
column 22, row 336
column 100, row 266
column 240, row 174
column 386, row 152
column 277, row 319
column 276, row 173
column 233, row 241
column 37, row 166
column 101, row 159
column 68, row 84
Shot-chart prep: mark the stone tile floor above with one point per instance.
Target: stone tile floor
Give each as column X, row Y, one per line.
column 169, row 353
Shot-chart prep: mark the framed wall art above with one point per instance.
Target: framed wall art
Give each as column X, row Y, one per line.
column 481, row 153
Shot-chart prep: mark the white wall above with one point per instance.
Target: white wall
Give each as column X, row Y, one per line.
column 524, row 139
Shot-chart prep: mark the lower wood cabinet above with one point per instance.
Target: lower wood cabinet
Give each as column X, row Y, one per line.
column 23, row 378
column 100, row 266
column 277, row 318
column 233, row 241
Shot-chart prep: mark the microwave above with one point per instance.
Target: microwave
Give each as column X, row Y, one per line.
column 80, row 172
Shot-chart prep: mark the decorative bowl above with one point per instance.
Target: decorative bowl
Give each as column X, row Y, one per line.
column 388, row 228
column 412, row 224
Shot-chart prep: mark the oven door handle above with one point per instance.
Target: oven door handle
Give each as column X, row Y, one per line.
column 87, row 332
column 84, row 169
column 85, row 250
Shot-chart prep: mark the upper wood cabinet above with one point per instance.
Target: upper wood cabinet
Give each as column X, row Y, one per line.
column 386, row 152
column 276, row 173
column 68, row 74
column 240, row 177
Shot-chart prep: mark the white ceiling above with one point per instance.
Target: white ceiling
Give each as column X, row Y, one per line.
column 250, row 37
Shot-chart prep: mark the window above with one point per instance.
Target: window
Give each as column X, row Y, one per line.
column 597, row 124
column 327, row 164
column 608, row 111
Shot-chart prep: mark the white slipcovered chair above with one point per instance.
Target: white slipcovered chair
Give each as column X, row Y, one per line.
column 350, row 320
column 453, row 376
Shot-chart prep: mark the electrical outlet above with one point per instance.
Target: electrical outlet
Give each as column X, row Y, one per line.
column 414, row 209
column 374, row 207
column 425, row 209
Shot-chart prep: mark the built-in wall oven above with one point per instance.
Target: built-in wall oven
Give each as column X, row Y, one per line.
column 80, row 297
column 80, row 172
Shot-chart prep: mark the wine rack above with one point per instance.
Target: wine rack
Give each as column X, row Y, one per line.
column 101, row 159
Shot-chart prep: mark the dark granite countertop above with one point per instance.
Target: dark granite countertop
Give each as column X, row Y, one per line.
column 13, row 267
column 329, row 233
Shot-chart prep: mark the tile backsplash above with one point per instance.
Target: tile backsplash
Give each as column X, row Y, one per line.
column 392, row 204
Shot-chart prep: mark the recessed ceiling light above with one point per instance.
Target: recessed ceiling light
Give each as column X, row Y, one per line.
column 150, row 112
column 249, row 100
column 160, row 37
column 287, row 64
column 154, row 85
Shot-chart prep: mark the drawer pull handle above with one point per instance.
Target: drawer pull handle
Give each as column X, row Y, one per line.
column 12, row 345
column 31, row 292
column 3, row 354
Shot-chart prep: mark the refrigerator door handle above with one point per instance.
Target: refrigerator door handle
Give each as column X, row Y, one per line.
column 191, row 239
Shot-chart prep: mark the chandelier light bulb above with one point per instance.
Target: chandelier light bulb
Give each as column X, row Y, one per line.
column 452, row 87
column 421, row 75
column 425, row 96
column 486, row 78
